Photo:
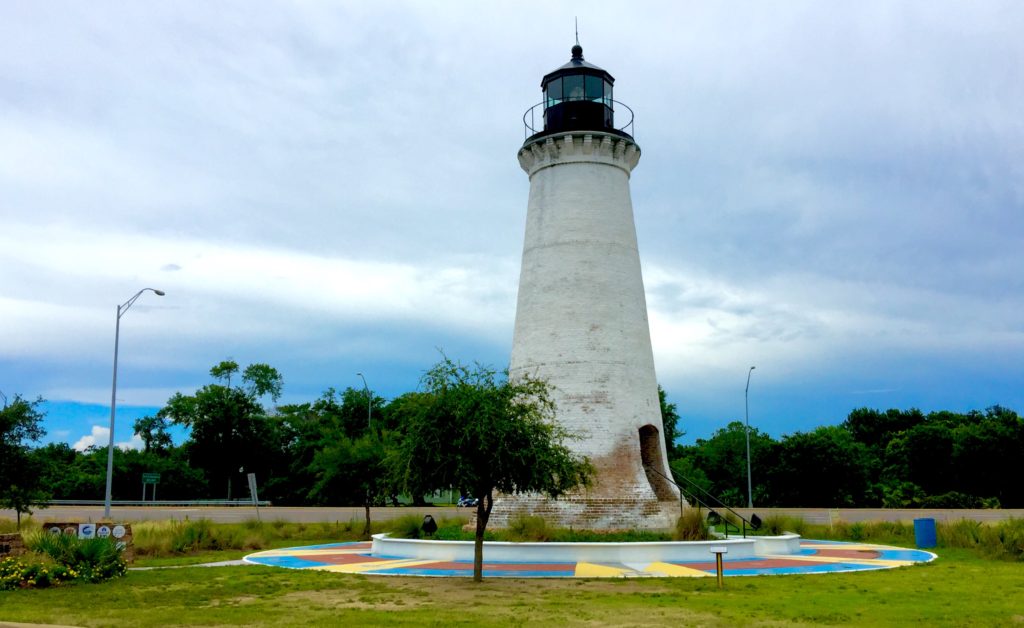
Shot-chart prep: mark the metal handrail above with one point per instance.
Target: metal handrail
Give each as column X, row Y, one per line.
column 709, row 507
column 529, row 128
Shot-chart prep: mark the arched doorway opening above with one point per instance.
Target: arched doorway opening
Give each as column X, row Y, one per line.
column 652, row 459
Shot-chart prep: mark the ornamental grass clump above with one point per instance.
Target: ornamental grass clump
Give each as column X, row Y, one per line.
column 529, row 528
column 691, row 526
column 1001, row 540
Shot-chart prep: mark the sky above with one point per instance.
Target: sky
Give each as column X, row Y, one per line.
column 833, row 192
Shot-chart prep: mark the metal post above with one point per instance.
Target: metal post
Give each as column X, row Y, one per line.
column 369, row 401
column 121, row 309
column 718, row 550
column 113, row 410
column 746, row 404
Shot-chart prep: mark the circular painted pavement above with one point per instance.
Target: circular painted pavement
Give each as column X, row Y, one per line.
column 814, row 557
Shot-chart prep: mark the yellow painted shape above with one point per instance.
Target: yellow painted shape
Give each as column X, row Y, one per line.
column 380, row 564
column 677, row 571
column 594, row 570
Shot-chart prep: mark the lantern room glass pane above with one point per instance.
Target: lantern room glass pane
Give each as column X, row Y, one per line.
column 572, row 87
column 595, row 88
column 608, row 93
column 554, row 92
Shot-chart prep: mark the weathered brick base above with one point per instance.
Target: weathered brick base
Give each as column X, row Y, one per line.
column 588, row 513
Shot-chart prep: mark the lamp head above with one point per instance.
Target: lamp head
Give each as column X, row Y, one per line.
column 159, row 293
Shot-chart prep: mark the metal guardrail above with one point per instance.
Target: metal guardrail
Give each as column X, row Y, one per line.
column 530, row 126
column 162, row 502
column 754, row 525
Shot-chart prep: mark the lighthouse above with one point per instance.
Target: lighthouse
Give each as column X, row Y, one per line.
column 581, row 316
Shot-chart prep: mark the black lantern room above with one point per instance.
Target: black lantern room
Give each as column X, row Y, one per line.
column 578, row 97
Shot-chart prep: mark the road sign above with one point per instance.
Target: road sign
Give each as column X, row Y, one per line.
column 150, row 478
column 252, row 492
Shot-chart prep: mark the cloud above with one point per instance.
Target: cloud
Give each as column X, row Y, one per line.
column 100, row 437
column 828, row 192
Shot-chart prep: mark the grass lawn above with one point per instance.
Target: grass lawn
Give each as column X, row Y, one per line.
column 957, row 589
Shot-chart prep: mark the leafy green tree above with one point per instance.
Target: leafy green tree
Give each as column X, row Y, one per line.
column 986, row 455
column 352, row 471
column 153, row 432
column 823, row 467
column 225, row 371
column 20, row 480
column 229, row 428
column 723, row 461
column 670, row 422
column 483, row 434
column 922, row 455
column 71, row 474
column 875, row 429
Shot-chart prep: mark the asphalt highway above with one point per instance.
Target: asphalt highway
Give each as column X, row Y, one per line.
column 227, row 514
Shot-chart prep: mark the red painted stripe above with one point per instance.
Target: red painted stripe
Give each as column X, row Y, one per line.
column 499, row 566
column 339, row 559
column 839, row 553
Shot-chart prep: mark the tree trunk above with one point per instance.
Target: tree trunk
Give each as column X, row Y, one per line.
column 483, row 513
column 366, row 526
column 16, row 510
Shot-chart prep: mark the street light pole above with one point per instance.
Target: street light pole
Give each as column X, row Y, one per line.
column 369, row 401
column 746, row 404
column 121, row 309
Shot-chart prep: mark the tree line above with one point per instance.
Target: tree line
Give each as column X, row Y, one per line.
column 889, row 459
column 469, row 429
column 340, row 448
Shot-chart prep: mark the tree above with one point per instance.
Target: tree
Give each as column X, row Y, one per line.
column 875, row 429
column 483, row 434
column 352, row 471
column 670, row 423
column 20, row 478
column 823, row 467
column 153, row 432
column 723, row 460
column 229, row 430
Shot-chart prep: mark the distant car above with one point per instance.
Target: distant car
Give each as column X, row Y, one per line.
column 467, row 502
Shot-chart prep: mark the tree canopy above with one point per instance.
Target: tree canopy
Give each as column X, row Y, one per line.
column 21, row 483
column 480, row 433
column 470, row 429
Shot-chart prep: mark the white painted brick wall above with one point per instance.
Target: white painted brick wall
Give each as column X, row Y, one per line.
column 581, row 319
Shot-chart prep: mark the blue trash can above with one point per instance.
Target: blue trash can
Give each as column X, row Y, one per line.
column 924, row 533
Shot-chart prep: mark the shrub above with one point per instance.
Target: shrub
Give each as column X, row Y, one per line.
column 524, row 528
column 32, row 571
column 91, row 560
column 1004, row 540
column 691, row 526
column 774, row 525
column 406, row 527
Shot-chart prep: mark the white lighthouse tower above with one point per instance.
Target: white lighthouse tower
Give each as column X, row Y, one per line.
column 581, row 318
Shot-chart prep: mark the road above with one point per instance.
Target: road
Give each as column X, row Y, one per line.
column 232, row 514
column 226, row 514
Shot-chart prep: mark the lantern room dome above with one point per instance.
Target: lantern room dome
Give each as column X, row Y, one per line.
column 578, row 96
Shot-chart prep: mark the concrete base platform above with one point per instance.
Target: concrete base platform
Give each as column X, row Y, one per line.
column 812, row 557
column 386, row 547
